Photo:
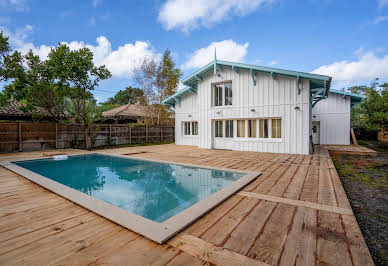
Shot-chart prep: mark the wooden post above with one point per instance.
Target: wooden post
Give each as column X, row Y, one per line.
column 130, row 135
column 146, row 134
column 110, row 134
column 56, row 135
column 161, row 134
column 20, row 137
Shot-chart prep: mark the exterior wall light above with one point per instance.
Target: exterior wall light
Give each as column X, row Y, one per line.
column 253, row 110
column 297, row 108
column 189, row 115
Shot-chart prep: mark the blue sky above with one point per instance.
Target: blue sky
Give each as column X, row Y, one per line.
column 347, row 40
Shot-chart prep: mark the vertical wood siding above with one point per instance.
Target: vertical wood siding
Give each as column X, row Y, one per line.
column 269, row 98
column 334, row 116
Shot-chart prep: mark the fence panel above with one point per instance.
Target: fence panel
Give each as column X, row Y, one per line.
column 30, row 136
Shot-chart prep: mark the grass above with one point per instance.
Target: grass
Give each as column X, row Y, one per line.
column 365, row 179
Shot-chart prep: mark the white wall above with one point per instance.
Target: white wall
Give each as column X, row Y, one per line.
column 187, row 110
column 270, row 98
column 334, row 116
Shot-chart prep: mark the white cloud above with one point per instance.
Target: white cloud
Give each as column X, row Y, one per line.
column 379, row 19
column 18, row 5
column 121, row 62
column 96, row 3
column 367, row 67
column 382, row 3
column 227, row 50
column 187, row 15
column 92, row 21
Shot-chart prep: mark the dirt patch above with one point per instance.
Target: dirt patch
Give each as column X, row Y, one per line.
column 365, row 179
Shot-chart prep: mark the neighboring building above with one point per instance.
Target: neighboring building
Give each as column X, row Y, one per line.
column 14, row 111
column 331, row 118
column 236, row 106
column 130, row 113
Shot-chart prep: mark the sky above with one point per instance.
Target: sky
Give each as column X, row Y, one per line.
column 345, row 39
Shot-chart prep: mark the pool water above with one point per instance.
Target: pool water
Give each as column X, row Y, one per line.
column 154, row 190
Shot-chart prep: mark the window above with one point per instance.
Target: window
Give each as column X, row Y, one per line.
column 228, row 93
column 218, row 95
column 218, row 129
column 276, row 128
column 251, row 128
column 263, row 128
column 223, row 94
column 229, row 129
column 241, row 128
column 186, row 128
column 195, row 128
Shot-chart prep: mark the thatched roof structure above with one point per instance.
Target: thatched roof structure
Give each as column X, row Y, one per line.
column 129, row 113
column 14, row 111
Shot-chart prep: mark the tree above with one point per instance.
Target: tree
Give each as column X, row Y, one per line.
column 372, row 113
column 4, row 50
column 75, row 71
column 159, row 79
column 126, row 96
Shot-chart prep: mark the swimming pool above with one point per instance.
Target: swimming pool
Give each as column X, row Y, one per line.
column 153, row 198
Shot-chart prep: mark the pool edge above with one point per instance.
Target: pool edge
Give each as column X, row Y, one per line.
column 158, row 232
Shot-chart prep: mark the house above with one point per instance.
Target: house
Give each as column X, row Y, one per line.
column 331, row 118
column 129, row 113
column 15, row 111
column 235, row 106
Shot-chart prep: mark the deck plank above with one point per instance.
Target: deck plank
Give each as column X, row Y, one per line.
column 241, row 230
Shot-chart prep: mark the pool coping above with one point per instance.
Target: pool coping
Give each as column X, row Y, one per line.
column 158, row 232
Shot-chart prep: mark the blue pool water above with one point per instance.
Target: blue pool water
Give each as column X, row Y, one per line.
column 156, row 191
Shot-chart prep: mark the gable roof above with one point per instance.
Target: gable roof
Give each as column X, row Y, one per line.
column 319, row 84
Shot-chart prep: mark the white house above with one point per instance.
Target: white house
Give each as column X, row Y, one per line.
column 331, row 118
column 236, row 106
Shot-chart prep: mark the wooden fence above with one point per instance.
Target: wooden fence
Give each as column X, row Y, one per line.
column 43, row 136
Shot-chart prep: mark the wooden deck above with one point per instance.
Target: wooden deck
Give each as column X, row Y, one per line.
column 349, row 149
column 296, row 213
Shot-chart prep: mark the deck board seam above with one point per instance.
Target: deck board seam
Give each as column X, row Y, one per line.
column 298, row 203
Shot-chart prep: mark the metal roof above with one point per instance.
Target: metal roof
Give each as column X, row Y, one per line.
column 319, row 84
column 355, row 99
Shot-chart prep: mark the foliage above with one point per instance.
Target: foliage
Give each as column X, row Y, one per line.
column 158, row 79
column 4, row 50
column 372, row 113
column 128, row 95
column 62, row 82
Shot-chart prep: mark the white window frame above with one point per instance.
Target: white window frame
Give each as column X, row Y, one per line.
column 190, row 129
column 223, row 99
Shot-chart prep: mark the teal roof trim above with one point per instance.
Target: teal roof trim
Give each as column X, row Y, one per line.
column 318, row 83
column 355, row 99
column 172, row 99
column 191, row 78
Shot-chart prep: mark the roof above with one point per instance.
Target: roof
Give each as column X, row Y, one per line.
column 318, row 83
column 14, row 109
column 128, row 110
column 354, row 98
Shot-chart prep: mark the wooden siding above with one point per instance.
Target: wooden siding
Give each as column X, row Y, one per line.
column 269, row 98
column 334, row 116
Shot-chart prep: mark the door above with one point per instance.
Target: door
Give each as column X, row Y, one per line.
column 316, row 132
column 222, row 137
column 218, row 134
